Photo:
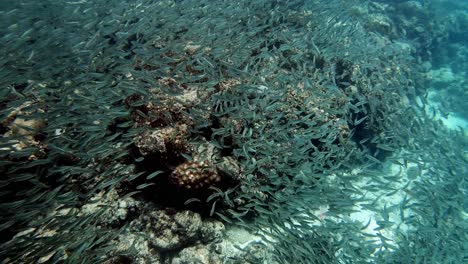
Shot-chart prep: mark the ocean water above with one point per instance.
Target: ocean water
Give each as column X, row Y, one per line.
column 216, row 131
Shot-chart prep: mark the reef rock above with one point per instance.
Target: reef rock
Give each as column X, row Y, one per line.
column 170, row 232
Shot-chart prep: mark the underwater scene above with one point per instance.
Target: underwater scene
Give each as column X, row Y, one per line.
column 232, row 132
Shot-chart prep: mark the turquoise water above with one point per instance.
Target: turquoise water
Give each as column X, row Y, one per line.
column 233, row 131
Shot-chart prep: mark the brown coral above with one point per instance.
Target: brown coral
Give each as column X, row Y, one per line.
column 194, row 175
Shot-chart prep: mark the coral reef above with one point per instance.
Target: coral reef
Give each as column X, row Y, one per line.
column 169, row 232
column 183, row 237
column 166, row 141
column 24, row 131
column 195, row 175
column 132, row 139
